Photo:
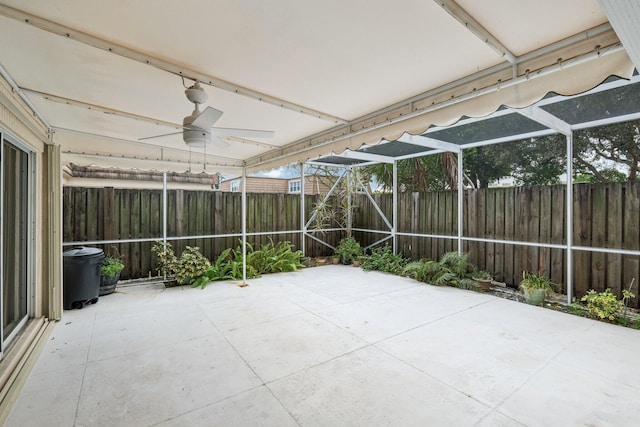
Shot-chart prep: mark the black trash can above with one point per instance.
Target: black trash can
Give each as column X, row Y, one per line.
column 81, row 282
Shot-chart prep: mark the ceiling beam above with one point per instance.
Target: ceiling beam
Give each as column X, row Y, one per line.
column 108, row 46
column 101, row 109
column 169, row 154
column 471, row 24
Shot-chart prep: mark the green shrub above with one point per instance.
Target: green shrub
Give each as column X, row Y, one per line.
column 111, row 266
column 269, row 259
column 383, row 259
column 348, row 249
column 191, row 265
column 451, row 270
column 219, row 270
column 167, row 261
column 457, row 264
column 605, row 305
column 278, row 258
column 417, row 270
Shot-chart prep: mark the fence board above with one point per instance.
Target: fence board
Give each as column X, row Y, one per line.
column 499, row 231
column 557, row 269
column 582, row 237
column 598, row 236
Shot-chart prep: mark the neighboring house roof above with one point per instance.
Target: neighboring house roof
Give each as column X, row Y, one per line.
column 75, row 175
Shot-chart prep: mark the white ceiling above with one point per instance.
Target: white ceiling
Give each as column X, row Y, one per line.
column 323, row 75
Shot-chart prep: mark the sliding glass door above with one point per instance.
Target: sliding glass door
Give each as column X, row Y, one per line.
column 15, row 247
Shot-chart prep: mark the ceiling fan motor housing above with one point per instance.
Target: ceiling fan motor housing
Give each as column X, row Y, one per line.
column 194, row 136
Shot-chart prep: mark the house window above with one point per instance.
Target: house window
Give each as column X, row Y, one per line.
column 16, row 247
column 235, row 186
column 294, row 186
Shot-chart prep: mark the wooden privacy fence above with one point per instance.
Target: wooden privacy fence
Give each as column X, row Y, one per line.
column 604, row 216
column 97, row 214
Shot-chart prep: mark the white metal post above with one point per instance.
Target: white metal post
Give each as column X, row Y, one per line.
column 164, row 219
column 460, row 201
column 349, row 183
column 303, row 228
column 244, row 225
column 394, row 229
column 569, row 210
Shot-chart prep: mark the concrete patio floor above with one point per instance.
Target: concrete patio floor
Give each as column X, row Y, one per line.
column 329, row 346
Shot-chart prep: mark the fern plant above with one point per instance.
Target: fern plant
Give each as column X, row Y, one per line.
column 453, row 269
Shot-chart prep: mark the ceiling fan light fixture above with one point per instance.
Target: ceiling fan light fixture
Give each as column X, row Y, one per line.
column 196, row 94
column 196, row 138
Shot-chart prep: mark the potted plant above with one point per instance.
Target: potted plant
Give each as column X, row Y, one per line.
column 536, row 286
column 109, row 274
column 348, row 249
column 356, row 262
column 483, row 279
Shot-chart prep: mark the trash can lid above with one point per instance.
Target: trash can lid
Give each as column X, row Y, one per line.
column 82, row 251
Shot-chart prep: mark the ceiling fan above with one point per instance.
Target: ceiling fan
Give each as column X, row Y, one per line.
column 198, row 130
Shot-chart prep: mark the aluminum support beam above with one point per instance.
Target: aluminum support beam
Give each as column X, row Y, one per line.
column 350, row 186
column 244, row 226
column 303, row 227
column 477, row 29
column 545, row 118
column 460, row 201
column 424, row 141
column 164, row 219
column 358, row 155
column 375, row 205
column 326, row 197
column 569, row 210
column 394, row 229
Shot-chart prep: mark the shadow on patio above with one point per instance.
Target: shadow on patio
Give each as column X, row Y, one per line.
column 329, row 346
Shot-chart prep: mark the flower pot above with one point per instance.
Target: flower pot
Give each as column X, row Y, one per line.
column 108, row 283
column 335, row 261
column 356, row 263
column 534, row 296
column 483, row 284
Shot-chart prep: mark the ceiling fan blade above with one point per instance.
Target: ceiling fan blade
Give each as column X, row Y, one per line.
column 159, row 136
column 247, row 133
column 218, row 142
column 207, row 118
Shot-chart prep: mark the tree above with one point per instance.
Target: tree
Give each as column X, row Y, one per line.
column 540, row 161
column 616, row 145
column 486, row 164
column 428, row 173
